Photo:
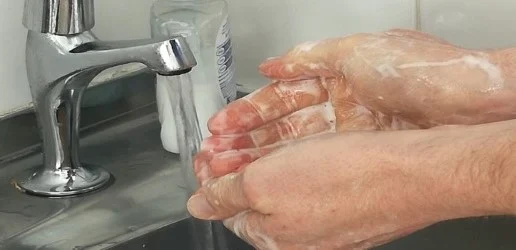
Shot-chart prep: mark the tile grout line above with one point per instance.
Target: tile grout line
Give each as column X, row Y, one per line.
column 418, row 15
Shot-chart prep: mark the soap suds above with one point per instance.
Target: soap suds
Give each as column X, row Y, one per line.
column 238, row 224
column 306, row 47
column 494, row 74
column 264, row 111
column 383, row 64
column 386, row 70
column 330, row 116
column 310, row 87
column 289, row 67
column 288, row 91
column 314, row 66
column 265, row 242
column 376, row 43
column 361, row 110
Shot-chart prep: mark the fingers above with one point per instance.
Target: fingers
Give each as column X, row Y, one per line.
column 354, row 117
column 308, row 121
column 243, row 149
column 235, row 160
column 250, row 227
column 201, row 167
column 313, row 59
column 220, row 198
column 267, row 104
column 307, row 61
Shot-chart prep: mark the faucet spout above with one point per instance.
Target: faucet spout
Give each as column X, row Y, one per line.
column 169, row 57
column 59, row 69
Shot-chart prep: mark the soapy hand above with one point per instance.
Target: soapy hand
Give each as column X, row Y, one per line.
column 329, row 209
column 353, row 190
column 393, row 80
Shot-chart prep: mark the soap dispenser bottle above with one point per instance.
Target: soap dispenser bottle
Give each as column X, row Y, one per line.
column 205, row 25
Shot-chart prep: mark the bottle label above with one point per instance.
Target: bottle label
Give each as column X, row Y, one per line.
column 225, row 67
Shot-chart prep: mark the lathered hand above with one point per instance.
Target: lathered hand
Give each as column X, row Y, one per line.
column 359, row 190
column 393, row 80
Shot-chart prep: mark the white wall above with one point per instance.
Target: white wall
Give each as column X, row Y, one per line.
column 261, row 29
column 266, row 28
column 14, row 90
column 269, row 27
column 113, row 22
column 475, row 24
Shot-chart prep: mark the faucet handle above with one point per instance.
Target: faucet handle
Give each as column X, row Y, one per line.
column 59, row 17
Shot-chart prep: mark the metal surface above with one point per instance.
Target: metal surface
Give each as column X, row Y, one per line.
column 60, row 17
column 59, row 70
column 176, row 236
column 19, row 135
column 61, row 182
column 468, row 234
column 146, row 195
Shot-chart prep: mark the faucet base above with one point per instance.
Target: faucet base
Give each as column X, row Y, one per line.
column 62, row 182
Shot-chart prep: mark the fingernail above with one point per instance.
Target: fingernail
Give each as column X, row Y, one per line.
column 199, row 207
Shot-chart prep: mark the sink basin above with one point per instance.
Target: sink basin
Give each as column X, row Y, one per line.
column 495, row 233
column 144, row 208
column 176, row 236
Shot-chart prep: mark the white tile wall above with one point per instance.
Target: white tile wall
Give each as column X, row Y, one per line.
column 268, row 28
column 14, row 90
column 261, row 29
column 117, row 22
column 473, row 23
column 113, row 22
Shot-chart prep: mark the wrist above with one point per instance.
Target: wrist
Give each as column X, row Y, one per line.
column 504, row 61
column 495, row 102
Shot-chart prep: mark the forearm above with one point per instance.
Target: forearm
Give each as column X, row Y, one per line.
column 473, row 169
column 426, row 176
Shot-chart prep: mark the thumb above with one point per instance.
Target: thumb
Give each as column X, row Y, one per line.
column 306, row 61
column 219, row 199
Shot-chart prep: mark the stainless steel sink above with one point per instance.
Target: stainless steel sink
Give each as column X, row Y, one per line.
column 494, row 233
column 468, row 234
column 145, row 200
column 176, row 236
column 144, row 208
column 146, row 194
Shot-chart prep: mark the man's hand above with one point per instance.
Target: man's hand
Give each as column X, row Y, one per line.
column 359, row 190
column 384, row 81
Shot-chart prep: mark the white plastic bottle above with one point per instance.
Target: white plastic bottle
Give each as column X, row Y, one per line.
column 205, row 24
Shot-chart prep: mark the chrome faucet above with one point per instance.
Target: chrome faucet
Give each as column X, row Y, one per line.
column 63, row 56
